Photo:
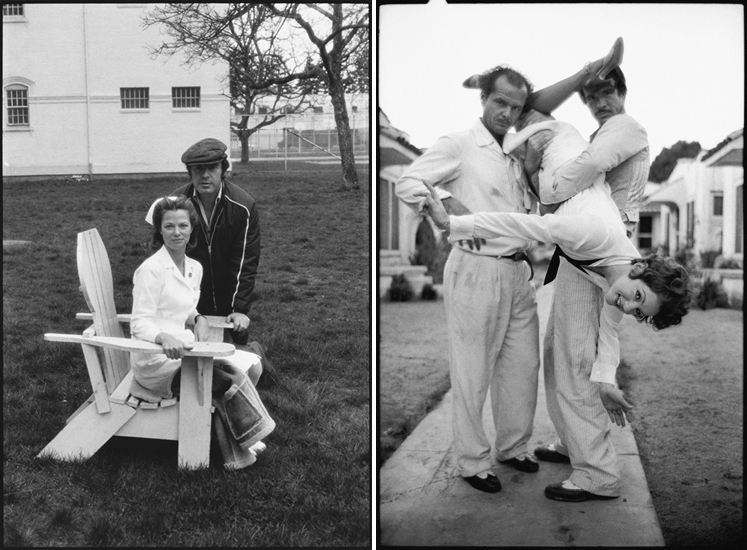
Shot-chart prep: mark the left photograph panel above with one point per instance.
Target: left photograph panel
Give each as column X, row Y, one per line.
column 187, row 274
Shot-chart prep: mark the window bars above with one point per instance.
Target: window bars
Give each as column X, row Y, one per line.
column 134, row 98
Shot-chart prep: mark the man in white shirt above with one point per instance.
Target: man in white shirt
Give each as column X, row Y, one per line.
column 491, row 311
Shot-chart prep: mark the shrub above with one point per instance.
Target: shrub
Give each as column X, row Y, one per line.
column 400, row 290
column 686, row 257
column 431, row 252
column 428, row 292
column 727, row 263
column 712, row 294
column 708, row 258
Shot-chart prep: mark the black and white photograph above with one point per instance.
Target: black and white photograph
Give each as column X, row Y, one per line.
column 560, row 269
column 187, row 275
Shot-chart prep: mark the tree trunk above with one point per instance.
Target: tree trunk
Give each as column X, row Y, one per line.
column 349, row 174
column 244, row 139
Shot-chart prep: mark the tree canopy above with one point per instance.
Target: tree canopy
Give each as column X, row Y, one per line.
column 665, row 162
column 281, row 55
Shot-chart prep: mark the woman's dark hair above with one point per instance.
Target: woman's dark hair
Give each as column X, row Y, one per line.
column 224, row 166
column 514, row 77
column 671, row 283
column 180, row 202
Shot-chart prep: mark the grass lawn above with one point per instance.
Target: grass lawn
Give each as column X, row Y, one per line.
column 312, row 487
column 687, row 386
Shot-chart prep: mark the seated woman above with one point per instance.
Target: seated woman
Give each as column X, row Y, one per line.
column 590, row 234
column 165, row 295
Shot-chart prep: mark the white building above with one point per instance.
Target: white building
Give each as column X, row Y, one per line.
column 316, row 125
column 397, row 224
column 83, row 95
column 701, row 204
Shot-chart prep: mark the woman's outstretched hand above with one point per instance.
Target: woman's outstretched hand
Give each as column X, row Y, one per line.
column 618, row 408
column 433, row 206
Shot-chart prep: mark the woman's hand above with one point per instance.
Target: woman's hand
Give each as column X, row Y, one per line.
column 202, row 329
column 433, row 206
column 614, row 401
column 172, row 347
column 537, row 144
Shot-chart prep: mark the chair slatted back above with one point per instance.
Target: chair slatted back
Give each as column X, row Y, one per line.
column 97, row 286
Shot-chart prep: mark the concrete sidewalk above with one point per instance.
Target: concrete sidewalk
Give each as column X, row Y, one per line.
column 424, row 502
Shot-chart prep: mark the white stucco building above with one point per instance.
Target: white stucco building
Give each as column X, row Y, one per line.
column 701, row 204
column 82, row 94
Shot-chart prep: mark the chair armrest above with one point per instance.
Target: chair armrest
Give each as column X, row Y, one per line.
column 216, row 321
column 200, row 349
column 121, row 317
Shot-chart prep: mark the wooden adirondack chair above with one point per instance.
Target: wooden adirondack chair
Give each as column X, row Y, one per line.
column 111, row 410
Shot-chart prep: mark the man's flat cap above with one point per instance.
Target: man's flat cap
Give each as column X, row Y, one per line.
column 205, row 151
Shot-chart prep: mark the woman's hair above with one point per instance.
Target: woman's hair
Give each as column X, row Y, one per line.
column 671, row 283
column 180, row 202
column 515, row 78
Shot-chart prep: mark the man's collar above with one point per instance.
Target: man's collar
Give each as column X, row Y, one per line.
column 218, row 197
column 483, row 135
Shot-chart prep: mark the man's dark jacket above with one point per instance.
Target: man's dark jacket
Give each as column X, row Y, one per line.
column 231, row 256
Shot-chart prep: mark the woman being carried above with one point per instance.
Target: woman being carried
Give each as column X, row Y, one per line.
column 589, row 233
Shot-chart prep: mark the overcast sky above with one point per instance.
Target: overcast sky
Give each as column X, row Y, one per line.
column 684, row 63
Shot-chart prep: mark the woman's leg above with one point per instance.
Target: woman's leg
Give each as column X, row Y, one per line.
column 548, row 99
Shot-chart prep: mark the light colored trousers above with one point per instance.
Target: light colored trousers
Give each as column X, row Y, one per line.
column 491, row 315
column 573, row 402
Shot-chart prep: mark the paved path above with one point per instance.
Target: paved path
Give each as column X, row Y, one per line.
column 423, row 501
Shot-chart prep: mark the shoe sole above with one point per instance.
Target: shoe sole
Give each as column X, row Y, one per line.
column 581, row 499
column 526, row 471
column 565, row 460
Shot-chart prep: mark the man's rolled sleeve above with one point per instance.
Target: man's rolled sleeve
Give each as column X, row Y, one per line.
column 438, row 165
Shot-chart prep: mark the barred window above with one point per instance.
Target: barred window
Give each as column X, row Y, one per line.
column 134, row 98
column 13, row 10
column 263, row 110
column 17, row 101
column 185, row 98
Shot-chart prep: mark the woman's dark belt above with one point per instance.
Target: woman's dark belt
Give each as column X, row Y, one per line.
column 518, row 257
column 552, row 269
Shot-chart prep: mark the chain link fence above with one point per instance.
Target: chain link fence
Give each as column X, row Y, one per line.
column 318, row 137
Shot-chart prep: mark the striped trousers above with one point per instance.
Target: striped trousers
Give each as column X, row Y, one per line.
column 573, row 402
column 491, row 316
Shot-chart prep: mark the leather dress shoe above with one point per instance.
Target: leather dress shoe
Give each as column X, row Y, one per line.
column 556, row 491
column 550, row 455
column 488, row 485
column 523, row 464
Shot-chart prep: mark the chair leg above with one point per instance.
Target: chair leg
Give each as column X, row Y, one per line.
column 195, row 402
column 87, row 433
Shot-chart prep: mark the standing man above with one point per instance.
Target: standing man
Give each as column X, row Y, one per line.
column 491, row 311
column 619, row 147
column 227, row 238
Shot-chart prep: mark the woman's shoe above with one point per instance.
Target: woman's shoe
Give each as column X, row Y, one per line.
column 472, row 83
column 612, row 59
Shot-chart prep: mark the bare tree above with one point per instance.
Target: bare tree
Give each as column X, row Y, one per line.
column 264, row 82
column 263, row 46
column 339, row 32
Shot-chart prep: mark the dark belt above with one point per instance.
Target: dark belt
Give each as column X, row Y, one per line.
column 552, row 269
column 518, row 257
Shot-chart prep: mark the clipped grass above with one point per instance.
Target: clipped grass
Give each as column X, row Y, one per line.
column 312, row 487
column 686, row 383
